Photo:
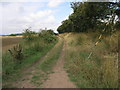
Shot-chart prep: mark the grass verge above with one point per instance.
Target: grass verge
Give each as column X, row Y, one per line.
column 11, row 71
column 101, row 70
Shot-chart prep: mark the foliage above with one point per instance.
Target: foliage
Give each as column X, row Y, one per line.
column 28, row 34
column 66, row 26
column 48, row 35
column 89, row 16
column 117, row 25
column 15, row 34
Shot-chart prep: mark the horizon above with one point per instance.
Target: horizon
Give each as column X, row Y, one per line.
column 17, row 16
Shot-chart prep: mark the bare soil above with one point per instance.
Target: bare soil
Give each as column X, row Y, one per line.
column 59, row 79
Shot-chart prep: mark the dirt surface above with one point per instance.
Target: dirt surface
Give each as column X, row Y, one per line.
column 59, row 79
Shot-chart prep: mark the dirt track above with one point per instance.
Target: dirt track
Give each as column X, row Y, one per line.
column 58, row 79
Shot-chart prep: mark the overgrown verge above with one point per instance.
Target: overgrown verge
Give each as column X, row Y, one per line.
column 101, row 70
column 25, row 54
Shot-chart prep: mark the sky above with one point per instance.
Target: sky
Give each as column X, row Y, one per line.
column 15, row 17
column 18, row 15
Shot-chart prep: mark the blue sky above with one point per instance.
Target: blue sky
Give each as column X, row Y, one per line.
column 16, row 16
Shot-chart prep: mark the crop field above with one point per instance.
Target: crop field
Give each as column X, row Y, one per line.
column 8, row 42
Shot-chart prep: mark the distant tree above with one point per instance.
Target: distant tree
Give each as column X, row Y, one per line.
column 12, row 35
column 15, row 34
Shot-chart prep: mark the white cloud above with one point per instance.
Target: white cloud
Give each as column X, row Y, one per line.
column 54, row 3
column 50, row 19
column 40, row 14
column 23, row 0
column 1, row 18
column 17, row 16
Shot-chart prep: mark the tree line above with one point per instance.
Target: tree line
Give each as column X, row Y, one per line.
column 92, row 17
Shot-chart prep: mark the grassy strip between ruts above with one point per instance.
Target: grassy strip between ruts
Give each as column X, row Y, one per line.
column 51, row 59
column 46, row 65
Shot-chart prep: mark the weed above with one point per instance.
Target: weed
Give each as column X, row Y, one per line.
column 17, row 54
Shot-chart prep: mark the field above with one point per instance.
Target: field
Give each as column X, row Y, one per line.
column 9, row 42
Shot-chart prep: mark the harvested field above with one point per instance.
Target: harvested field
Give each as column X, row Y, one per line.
column 8, row 42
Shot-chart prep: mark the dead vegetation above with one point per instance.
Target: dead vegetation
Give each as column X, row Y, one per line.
column 101, row 69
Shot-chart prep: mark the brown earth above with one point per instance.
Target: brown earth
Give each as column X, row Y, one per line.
column 59, row 79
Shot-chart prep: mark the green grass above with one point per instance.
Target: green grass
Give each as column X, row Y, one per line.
column 32, row 53
column 48, row 63
column 51, row 59
column 45, row 67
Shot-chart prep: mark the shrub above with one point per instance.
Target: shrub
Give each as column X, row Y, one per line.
column 29, row 35
column 16, row 53
column 48, row 35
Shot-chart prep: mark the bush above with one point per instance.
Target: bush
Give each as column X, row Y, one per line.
column 48, row 36
column 17, row 53
column 29, row 35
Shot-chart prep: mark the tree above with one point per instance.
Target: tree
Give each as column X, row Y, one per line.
column 88, row 16
column 67, row 26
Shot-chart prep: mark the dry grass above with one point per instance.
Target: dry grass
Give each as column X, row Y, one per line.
column 10, row 36
column 101, row 70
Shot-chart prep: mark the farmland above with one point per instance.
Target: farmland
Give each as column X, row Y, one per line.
column 9, row 42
